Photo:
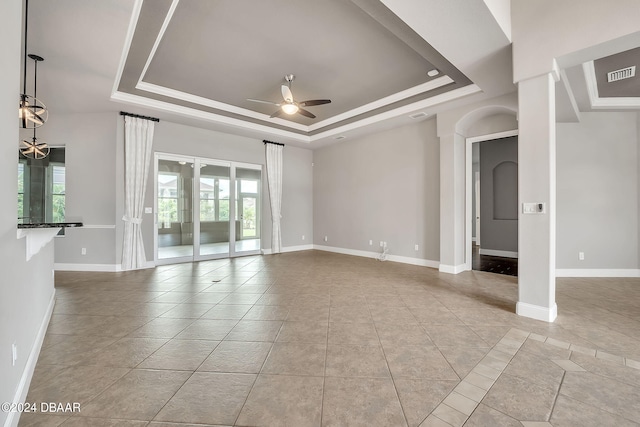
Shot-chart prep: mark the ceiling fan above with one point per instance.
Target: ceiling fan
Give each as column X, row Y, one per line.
column 288, row 105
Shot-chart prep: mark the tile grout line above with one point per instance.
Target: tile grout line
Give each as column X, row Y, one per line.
column 512, row 340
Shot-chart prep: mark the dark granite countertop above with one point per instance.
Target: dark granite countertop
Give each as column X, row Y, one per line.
column 50, row 224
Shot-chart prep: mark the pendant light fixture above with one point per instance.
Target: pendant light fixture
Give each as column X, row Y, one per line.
column 32, row 113
column 34, row 149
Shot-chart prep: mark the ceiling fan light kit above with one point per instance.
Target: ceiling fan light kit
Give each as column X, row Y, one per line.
column 290, row 106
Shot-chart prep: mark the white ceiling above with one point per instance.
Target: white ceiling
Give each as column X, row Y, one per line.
column 223, row 55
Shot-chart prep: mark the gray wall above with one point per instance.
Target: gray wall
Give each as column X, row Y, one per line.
column 26, row 287
column 95, row 182
column 597, row 192
column 498, row 232
column 90, row 141
column 383, row 186
column 492, row 124
column 297, row 190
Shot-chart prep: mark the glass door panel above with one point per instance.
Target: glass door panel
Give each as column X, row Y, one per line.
column 175, row 225
column 215, row 197
column 248, row 186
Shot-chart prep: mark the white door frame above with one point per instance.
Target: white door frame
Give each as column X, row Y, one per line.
column 197, row 161
column 469, row 187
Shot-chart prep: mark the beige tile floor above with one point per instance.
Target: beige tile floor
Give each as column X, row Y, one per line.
column 313, row 338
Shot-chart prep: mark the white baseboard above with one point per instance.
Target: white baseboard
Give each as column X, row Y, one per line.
column 86, row 267
column 452, row 269
column 375, row 255
column 289, row 249
column 495, row 252
column 27, row 374
column 546, row 314
column 597, row 272
column 96, row 267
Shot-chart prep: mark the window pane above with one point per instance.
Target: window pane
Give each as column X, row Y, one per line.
column 224, row 210
column 223, row 188
column 20, row 190
column 167, row 211
column 207, row 210
column 249, row 186
column 58, row 207
column 57, row 193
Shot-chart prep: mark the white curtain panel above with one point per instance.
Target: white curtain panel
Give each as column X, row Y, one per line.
column 274, row 176
column 138, row 141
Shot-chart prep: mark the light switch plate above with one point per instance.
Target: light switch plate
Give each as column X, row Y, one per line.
column 148, row 210
column 534, row 208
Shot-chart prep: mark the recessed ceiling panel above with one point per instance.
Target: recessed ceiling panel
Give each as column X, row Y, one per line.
column 245, row 47
column 628, row 87
column 213, row 55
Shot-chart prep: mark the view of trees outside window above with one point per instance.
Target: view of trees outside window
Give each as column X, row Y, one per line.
column 214, row 198
column 21, row 177
column 167, row 199
column 58, row 193
column 249, row 194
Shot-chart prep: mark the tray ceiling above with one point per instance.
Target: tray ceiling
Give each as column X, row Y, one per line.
column 209, row 57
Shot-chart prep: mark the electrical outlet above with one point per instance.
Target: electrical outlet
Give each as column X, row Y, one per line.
column 381, row 243
column 303, row 237
column 416, row 247
column 14, row 354
column 326, row 239
column 370, row 242
column 84, row 251
column 581, row 256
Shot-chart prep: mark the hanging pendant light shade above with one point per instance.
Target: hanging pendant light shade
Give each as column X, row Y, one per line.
column 32, row 113
column 34, row 149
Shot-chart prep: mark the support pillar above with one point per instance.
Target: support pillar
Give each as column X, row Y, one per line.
column 452, row 203
column 537, row 184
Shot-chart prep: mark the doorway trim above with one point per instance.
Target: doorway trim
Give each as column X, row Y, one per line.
column 469, row 187
column 233, row 165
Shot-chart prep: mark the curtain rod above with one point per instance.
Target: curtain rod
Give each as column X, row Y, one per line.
column 271, row 142
column 153, row 119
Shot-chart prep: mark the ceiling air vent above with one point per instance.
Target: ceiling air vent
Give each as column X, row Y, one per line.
column 624, row 73
column 339, row 137
column 418, row 115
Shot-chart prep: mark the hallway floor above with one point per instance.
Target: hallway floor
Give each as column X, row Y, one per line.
column 320, row 339
column 493, row 264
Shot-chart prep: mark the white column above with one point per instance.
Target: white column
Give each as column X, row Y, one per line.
column 452, row 203
column 537, row 184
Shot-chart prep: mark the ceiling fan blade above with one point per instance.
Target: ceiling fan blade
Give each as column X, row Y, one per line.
column 263, row 102
column 313, row 102
column 286, row 93
column 276, row 114
column 306, row 113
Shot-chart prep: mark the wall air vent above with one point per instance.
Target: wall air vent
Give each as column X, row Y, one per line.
column 418, row 115
column 624, row 73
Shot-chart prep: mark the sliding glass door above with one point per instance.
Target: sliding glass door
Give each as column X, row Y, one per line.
column 247, row 236
column 206, row 209
column 215, row 198
column 174, row 208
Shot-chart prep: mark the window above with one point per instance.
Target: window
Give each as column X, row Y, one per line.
column 42, row 188
column 23, row 205
column 57, row 190
column 214, row 198
column 167, row 199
